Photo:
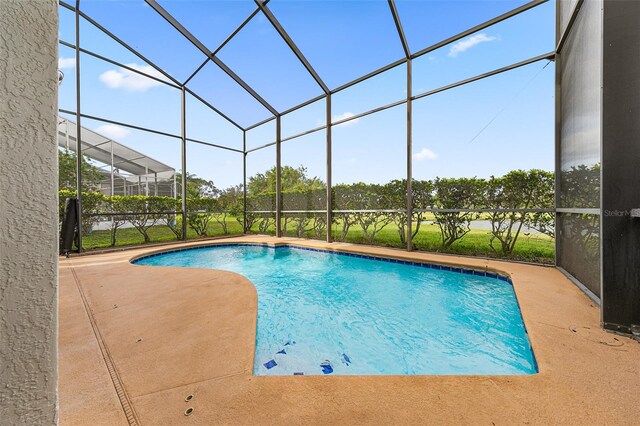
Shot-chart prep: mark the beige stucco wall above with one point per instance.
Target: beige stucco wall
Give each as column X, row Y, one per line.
column 28, row 211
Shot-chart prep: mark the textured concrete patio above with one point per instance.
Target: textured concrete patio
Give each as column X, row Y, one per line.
column 135, row 341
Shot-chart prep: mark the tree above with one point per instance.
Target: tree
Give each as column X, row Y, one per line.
column 291, row 180
column 300, row 202
column 197, row 187
column 199, row 216
column 396, row 191
column 453, row 194
column 370, row 197
column 172, row 216
column 343, row 200
column 67, row 168
column 148, row 209
column 236, row 207
column 517, row 190
column 116, row 205
column 228, row 202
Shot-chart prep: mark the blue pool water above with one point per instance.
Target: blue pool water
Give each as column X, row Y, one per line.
column 327, row 313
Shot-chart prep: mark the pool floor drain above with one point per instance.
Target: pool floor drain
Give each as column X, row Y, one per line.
column 188, row 411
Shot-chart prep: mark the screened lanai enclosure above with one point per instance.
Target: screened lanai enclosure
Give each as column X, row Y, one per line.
column 467, row 127
column 122, row 170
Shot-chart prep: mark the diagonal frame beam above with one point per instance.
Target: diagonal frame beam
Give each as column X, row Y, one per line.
column 170, row 80
column 198, row 44
column 479, row 27
column 121, row 42
column 567, row 30
column 396, row 20
column 243, row 84
column 527, row 6
column 294, row 48
column 118, row 64
column 211, row 107
column 548, row 56
column 223, row 44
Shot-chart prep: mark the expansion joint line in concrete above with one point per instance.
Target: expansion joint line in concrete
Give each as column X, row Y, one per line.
column 127, row 407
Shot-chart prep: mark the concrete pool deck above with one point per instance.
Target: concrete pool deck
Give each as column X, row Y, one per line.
column 135, row 341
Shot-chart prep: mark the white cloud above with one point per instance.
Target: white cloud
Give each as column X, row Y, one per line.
column 129, row 80
column 112, row 131
column 425, row 154
column 468, row 43
column 343, row 117
column 66, row 63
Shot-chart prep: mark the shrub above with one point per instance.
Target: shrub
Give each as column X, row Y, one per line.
column 172, row 216
column 257, row 205
column 343, row 199
column 452, row 194
column 117, row 206
column 516, row 190
column 397, row 198
column 200, row 213
column 147, row 211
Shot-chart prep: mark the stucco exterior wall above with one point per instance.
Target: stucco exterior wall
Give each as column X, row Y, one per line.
column 28, row 211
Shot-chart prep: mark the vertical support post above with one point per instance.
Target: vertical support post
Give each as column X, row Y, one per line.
column 112, row 192
column 66, row 134
column 409, row 157
column 78, row 131
column 112, row 171
column 183, row 152
column 328, row 159
column 278, row 178
column 244, row 181
column 146, row 181
column 155, row 183
column 557, row 141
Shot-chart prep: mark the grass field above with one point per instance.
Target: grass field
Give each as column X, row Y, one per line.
column 530, row 248
column 158, row 233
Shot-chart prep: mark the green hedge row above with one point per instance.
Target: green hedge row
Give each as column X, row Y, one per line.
column 504, row 196
column 143, row 212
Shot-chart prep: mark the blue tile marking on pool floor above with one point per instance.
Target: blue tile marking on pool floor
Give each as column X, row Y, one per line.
column 270, row 364
column 346, row 360
column 468, row 271
column 326, row 367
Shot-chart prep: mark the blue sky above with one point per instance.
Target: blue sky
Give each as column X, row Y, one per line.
column 487, row 127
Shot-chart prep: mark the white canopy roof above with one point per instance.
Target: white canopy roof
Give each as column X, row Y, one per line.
column 102, row 148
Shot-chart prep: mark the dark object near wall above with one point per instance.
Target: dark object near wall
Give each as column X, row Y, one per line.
column 69, row 226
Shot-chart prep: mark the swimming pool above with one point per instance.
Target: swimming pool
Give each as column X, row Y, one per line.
column 322, row 312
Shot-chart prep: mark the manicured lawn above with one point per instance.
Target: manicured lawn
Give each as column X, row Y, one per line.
column 530, row 247
column 158, row 233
